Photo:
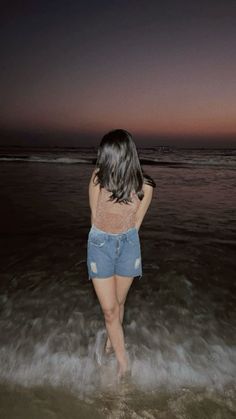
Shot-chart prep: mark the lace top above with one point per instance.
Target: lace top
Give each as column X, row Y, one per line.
column 115, row 217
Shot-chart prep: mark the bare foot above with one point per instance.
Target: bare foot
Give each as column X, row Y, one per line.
column 124, row 370
column 124, row 375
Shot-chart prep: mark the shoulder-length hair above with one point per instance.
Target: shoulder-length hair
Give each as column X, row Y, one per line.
column 118, row 167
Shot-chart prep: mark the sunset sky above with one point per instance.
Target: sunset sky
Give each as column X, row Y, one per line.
column 158, row 69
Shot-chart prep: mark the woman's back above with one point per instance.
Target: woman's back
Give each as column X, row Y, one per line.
column 114, row 217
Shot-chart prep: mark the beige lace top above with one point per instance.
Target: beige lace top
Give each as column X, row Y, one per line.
column 114, row 217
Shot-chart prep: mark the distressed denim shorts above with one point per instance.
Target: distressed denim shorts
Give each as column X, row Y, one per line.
column 109, row 254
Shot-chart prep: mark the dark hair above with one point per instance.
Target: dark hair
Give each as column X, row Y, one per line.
column 119, row 170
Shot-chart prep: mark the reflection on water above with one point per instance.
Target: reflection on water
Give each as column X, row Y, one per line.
column 179, row 320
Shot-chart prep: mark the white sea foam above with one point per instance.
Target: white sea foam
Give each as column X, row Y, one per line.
column 45, row 340
column 173, row 366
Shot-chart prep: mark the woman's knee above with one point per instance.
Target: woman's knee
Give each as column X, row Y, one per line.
column 121, row 302
column 111, row 313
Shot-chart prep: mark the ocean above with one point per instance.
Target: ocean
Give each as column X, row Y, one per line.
column 180, row 316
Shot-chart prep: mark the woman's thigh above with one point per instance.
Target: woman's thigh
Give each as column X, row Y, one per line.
column 105, row 289
column 123, row 284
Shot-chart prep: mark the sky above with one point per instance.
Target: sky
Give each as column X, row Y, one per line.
column 163, row 70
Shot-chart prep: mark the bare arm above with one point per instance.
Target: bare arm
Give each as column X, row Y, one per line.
column 93, row 195
column 144, row 204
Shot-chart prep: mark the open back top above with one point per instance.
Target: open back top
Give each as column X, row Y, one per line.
column 114, row 217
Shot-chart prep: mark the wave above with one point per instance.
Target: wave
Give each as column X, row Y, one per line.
column 189, row 162
column 39, row 159
column 231, row 164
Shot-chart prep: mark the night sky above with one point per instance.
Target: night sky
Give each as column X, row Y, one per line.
column 162, row 70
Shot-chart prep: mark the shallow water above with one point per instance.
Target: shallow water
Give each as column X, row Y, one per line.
column 180, row 317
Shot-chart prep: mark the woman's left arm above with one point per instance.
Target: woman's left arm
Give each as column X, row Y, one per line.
column 144, row 204
column 93, row 195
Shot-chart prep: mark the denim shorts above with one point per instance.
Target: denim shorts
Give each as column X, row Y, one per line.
column 111, row 254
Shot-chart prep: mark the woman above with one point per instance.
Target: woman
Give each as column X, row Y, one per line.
column 119, row 196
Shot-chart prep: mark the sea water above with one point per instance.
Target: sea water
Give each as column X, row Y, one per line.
column 179, row 319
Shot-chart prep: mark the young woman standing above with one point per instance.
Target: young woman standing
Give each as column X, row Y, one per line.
column 119, row 196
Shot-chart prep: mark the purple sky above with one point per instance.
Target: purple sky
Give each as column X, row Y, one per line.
column 158, row 69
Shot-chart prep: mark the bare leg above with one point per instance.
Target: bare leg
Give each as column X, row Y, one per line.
column 106, row 292
column 123, row 285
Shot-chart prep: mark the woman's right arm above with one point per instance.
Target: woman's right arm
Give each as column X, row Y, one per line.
column 144, row 204
column 93, row 195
